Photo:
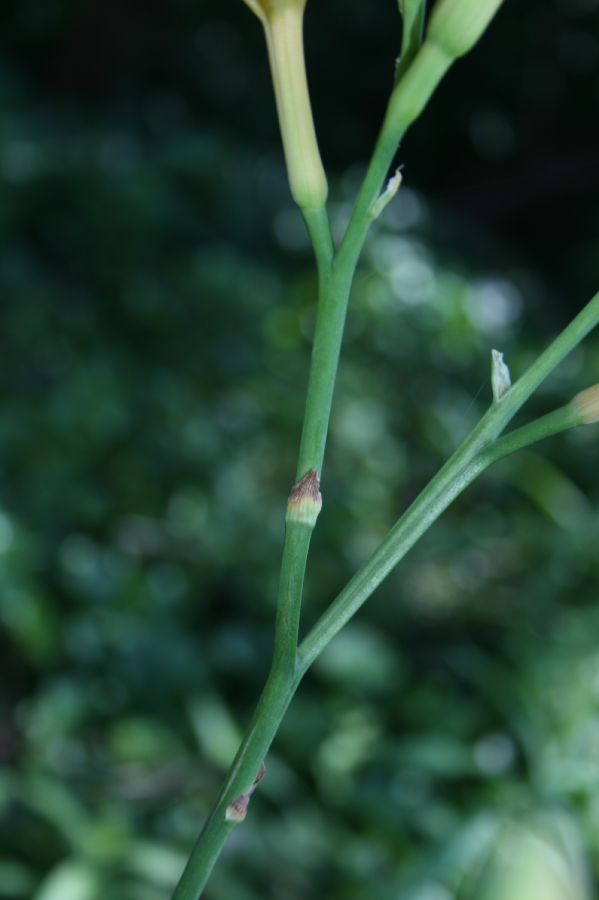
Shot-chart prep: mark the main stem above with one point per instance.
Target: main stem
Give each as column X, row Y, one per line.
column 335, row 276
column 333, row 288
column 265, row 722
column 283, row 680
column 478, row 451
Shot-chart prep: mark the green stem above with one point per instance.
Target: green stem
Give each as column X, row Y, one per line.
column 553, row 423
column 467, row 463
column 407, row 102
column 335, row 279
column 265, row 723
column 282, row 681
column 478, row 451
column 291, row 583
column 326, row 347
column 319, row 229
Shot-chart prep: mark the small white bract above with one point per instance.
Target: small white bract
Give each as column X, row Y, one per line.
column 500, row 376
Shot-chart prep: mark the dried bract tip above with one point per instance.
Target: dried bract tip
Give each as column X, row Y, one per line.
column 305, row 500
column 587, row 405
column 237, row 810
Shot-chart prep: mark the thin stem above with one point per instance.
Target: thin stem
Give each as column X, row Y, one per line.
column 376, row 173
column 553, row 423
column 265, row 723
column 407, row 102
column 477, row 452
column 291, row 583
column 326, row 347
column 449, row 482
column 319, row 229
column 335, row 277
column 501, row 413
column 282, row 681
column 303, row 507
column 459, row 471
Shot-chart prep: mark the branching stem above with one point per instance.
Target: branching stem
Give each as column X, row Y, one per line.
column 482, row 447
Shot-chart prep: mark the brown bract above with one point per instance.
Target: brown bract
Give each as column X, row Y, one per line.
column 305, row 499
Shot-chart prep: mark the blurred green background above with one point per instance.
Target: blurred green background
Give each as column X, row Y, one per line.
column 156, row 303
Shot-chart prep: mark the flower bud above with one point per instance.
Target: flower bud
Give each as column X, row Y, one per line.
column 586, row 405
column 265, row 8
column 283, row 26
column 457, row 25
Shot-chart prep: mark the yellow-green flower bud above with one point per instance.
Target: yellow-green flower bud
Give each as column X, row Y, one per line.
column 586, row 405
column 457, row 25
column 283, row 26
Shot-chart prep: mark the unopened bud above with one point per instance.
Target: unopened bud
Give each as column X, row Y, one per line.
column 283, row 26
column 587, row 405
column 264, row 8
column 457, row 25
column 305, row 500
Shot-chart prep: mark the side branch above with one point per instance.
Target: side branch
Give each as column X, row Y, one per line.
column 478, row 451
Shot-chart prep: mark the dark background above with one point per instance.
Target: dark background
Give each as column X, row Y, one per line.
column 156, row 295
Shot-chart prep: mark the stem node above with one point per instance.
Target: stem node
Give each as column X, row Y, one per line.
column 305, row 500
column 237, row 810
